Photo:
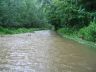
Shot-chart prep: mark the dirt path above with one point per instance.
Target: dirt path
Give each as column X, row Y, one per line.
column 44, row 51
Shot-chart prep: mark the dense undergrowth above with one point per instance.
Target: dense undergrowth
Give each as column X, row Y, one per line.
column 4, row 31
column 74, row 36
column 89, row 33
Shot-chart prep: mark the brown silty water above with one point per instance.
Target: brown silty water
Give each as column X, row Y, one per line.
column 44, row 51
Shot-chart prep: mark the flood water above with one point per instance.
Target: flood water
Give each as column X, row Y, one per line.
column 44, row 51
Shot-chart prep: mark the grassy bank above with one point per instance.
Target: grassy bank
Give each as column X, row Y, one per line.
column 73, row 35
column 4, row 31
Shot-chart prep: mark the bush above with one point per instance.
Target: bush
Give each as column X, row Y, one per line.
column 17, row 30
column 67, row 31
column 5, row 31
column 89, row 33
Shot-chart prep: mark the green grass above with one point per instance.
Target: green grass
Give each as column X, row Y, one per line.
column 73, row 35
column 4, row 31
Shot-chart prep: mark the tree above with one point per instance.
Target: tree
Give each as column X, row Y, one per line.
column 90, row 5
column 67, row 13
column 21, row 13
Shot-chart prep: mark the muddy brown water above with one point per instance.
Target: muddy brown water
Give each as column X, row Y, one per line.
column 44, row 51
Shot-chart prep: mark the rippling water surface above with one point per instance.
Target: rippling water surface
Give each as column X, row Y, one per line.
column 44, row 51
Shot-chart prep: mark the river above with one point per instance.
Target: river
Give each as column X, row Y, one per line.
column 44, row 51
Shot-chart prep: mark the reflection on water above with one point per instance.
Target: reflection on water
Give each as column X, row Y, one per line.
column 44, row 51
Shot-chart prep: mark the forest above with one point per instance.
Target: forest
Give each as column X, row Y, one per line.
column 69, row 17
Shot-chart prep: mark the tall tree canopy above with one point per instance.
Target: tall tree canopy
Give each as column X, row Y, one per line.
column 21, row 13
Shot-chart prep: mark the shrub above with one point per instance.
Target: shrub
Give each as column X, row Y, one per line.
column 89, row 33
column 67, row 31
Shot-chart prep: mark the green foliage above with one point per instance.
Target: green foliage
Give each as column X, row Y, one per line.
column 89, row 33
column 67, row 13
column 16, row 30
column 21, row 13
column 66, row 31
column 5, row 31
column 70, row 15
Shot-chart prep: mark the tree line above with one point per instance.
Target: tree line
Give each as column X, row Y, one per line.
column 70, row 16
column 21, row 13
